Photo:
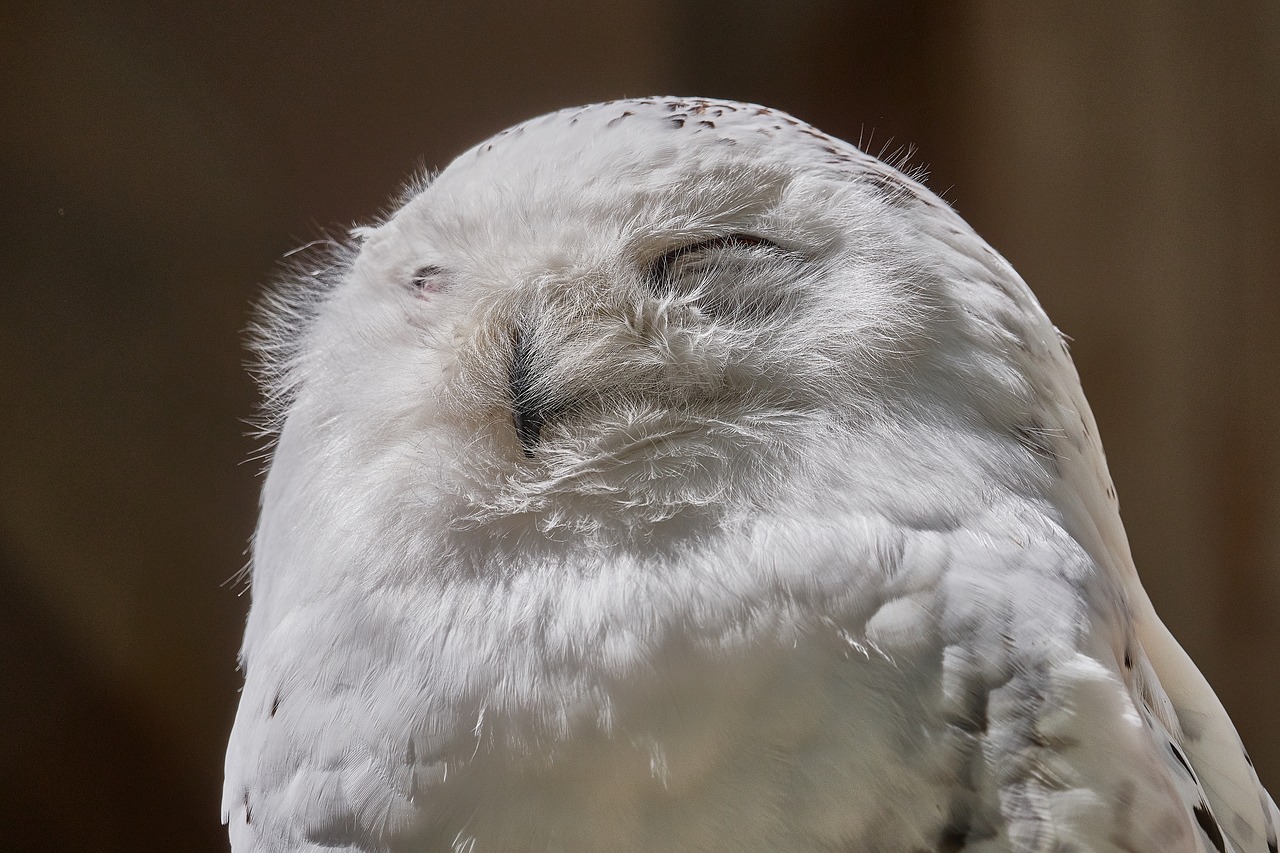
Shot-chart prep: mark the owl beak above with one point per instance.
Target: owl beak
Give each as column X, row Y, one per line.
column 527, row 411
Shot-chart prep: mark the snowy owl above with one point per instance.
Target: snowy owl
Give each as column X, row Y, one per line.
column 668, row 475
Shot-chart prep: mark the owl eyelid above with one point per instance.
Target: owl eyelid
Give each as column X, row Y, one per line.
column 660, row 267
column 429, row 279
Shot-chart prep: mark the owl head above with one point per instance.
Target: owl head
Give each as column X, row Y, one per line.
column 664, row 314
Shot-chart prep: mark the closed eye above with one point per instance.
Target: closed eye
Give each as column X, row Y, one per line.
column 429, row 279
column 661, row 269
column 734, row 278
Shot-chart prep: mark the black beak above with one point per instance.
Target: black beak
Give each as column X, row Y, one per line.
column 527, row 412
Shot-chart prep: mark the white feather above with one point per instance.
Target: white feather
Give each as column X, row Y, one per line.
column 807, row 543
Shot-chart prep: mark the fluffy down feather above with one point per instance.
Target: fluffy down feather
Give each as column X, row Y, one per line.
column 668, row 475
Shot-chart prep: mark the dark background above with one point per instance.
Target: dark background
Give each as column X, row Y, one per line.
column 156, row 160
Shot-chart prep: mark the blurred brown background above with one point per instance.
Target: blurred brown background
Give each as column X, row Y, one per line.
column 156, row 160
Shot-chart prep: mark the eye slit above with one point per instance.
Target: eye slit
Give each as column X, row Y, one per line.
column 659, row 270
column 429, row 279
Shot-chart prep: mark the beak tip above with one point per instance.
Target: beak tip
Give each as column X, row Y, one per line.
column 527, row 431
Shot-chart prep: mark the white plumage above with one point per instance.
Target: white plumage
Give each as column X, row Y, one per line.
column 668, row 475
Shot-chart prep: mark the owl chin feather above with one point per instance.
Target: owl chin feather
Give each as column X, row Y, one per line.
column 667, row 474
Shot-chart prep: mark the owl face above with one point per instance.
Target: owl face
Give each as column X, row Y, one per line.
column 636, row 314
